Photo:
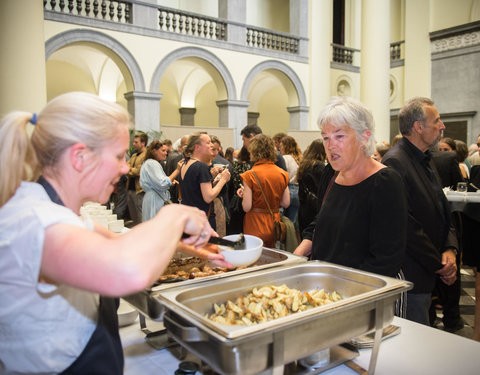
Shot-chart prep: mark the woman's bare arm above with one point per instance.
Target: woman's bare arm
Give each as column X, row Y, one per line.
column 123, row 264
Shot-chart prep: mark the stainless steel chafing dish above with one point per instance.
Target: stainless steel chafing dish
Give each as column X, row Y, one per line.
column 147, row 303
column 368, row 304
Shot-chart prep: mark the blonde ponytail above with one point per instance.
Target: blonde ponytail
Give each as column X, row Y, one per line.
column 18, row 159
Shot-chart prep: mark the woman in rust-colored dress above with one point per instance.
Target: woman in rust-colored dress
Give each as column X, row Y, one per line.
column 258, row 220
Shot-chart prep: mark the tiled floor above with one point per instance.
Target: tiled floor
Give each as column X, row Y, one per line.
column 467, row 303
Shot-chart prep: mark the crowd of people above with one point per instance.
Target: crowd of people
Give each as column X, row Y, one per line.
column 346, row 199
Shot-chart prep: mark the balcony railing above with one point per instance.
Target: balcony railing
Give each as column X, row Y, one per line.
column 342, row 54
column 181, row 22
column 261, row 38
column 346, row 55
column 128, row 14
column 396, row 51
column 109, row 10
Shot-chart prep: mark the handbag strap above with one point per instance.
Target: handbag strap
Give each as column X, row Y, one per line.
column 329, row 186
column 264, row 197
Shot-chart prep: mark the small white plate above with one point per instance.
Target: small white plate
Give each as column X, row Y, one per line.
column 127, row 315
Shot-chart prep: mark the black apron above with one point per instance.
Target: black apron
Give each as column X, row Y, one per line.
column 103, row 354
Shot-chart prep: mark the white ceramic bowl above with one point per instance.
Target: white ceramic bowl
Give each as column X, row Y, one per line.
column 239, row 258
column 126, row 314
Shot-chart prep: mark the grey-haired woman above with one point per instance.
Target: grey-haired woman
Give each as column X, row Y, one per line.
column 362, row 220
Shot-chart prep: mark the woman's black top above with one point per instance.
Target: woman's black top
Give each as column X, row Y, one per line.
column 362, row 226
column 190, row 185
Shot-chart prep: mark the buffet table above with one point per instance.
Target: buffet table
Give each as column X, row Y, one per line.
column 416, row 350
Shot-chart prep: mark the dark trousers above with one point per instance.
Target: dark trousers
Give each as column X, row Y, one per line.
column 417, row 307
column 448, row 296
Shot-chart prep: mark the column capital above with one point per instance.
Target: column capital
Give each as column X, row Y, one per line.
column 142, row 95
column 187, row 110
column 232, row 103
column 298, row 109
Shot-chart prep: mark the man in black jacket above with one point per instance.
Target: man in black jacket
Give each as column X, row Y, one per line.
column 431, row 241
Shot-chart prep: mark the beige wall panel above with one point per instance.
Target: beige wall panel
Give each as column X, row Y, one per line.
column 450, row 13
column 207, row 109
column 396, row 21
column 206, row 7
column 417, row 49
column 274, row 116
column 169, row 103
column 320, row 51
column 305, row 137
column 22, row 60
column 397, row 77
column 269, row 14
column 63, row 77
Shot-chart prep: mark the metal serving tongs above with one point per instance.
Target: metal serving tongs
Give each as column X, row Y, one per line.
column 239, row 244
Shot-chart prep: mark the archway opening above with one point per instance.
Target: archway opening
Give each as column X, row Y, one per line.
column 270, row 94
column 191, row 86
column 89, row 67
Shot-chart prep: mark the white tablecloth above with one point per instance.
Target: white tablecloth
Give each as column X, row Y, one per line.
column 416, row 350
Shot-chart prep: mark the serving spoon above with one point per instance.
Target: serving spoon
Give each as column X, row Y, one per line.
column 239, row 244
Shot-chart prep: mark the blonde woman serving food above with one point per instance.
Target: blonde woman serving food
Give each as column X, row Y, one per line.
column 54, row 266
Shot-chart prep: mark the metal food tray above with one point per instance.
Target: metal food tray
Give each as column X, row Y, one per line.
column 147, row 303
column 368, row 304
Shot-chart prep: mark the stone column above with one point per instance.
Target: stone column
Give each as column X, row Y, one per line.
column 253, row 118
column 418, row 59
column 236, row 11
column 145, row 109
column 321, row 21
column 23, row 82
column 375, row 64
column 233, row 114
column 187, row 116
column 298, row 117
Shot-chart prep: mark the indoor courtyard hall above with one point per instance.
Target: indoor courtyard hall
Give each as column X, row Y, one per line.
column 170, row 69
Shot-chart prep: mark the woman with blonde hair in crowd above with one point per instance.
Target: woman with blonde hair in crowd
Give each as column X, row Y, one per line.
column 265, row 189
column 196, row 179
column 56, row 268
column 153, row 180
column 293, row 156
